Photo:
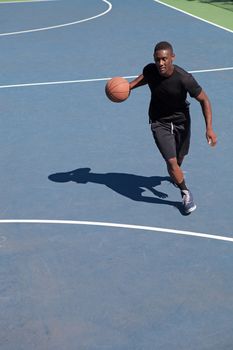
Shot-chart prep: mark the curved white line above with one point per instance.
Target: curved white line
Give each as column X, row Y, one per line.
column 99, row 79
column 62, row 25
column 114, row 225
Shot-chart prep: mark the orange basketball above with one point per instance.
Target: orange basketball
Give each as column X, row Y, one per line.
column 117, row 89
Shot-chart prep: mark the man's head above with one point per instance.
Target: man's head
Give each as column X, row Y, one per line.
column 164, row 57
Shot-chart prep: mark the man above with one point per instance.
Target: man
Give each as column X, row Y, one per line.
column 169, row 112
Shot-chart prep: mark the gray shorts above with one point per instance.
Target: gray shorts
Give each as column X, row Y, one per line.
column 172, row 139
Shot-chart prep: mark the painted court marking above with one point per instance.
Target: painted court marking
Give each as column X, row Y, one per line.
column 105, row 224
column 62, row 25
column 98, row 79
column 117, row 225
column 191, row 15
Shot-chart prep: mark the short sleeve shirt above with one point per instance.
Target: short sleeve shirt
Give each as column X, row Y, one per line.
column 169, row 94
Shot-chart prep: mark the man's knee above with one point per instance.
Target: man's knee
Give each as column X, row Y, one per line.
column 172, row 163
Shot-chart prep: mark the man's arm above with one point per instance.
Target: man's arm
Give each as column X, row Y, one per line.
column 204, row 101
column 139, row 81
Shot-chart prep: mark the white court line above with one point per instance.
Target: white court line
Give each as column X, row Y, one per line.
column 62, row 25
column 115, row 225
column 189, row 14
column 99, row 79
column 211, row 70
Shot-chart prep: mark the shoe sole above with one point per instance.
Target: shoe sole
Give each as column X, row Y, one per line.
column 191, row 210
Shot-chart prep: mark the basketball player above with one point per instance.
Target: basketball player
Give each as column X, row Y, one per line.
column 169, row 113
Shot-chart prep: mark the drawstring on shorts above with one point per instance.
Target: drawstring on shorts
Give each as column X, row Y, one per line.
column 172, row 128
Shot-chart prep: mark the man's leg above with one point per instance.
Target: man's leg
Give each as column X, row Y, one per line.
column 180, row 160
column 177, row 176
column 174, row 170
column 167, row 144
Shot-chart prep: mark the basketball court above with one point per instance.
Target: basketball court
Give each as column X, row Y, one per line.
column 95, row 250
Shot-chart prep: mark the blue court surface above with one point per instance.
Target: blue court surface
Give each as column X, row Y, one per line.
column 95, row 252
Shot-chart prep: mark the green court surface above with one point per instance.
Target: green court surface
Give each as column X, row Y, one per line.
column 227, row 5
column 218, row 12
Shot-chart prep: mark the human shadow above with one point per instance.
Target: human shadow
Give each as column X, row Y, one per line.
column 128, row 185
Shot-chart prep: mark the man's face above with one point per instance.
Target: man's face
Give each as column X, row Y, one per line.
column 164, row 62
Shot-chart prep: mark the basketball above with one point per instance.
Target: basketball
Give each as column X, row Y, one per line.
column 117, row 89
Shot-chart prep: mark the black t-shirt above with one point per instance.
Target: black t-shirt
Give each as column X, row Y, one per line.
column 168, row 94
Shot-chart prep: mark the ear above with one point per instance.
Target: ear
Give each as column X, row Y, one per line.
column 173, row 57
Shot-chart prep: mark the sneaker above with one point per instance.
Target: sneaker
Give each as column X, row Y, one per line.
column 188, row 202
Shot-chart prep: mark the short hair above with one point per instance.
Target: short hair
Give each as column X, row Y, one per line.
column 163, row 45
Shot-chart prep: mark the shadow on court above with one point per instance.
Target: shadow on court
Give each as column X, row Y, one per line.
column 128, row 185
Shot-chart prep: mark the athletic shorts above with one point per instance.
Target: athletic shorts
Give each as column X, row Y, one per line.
column 172, row 139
